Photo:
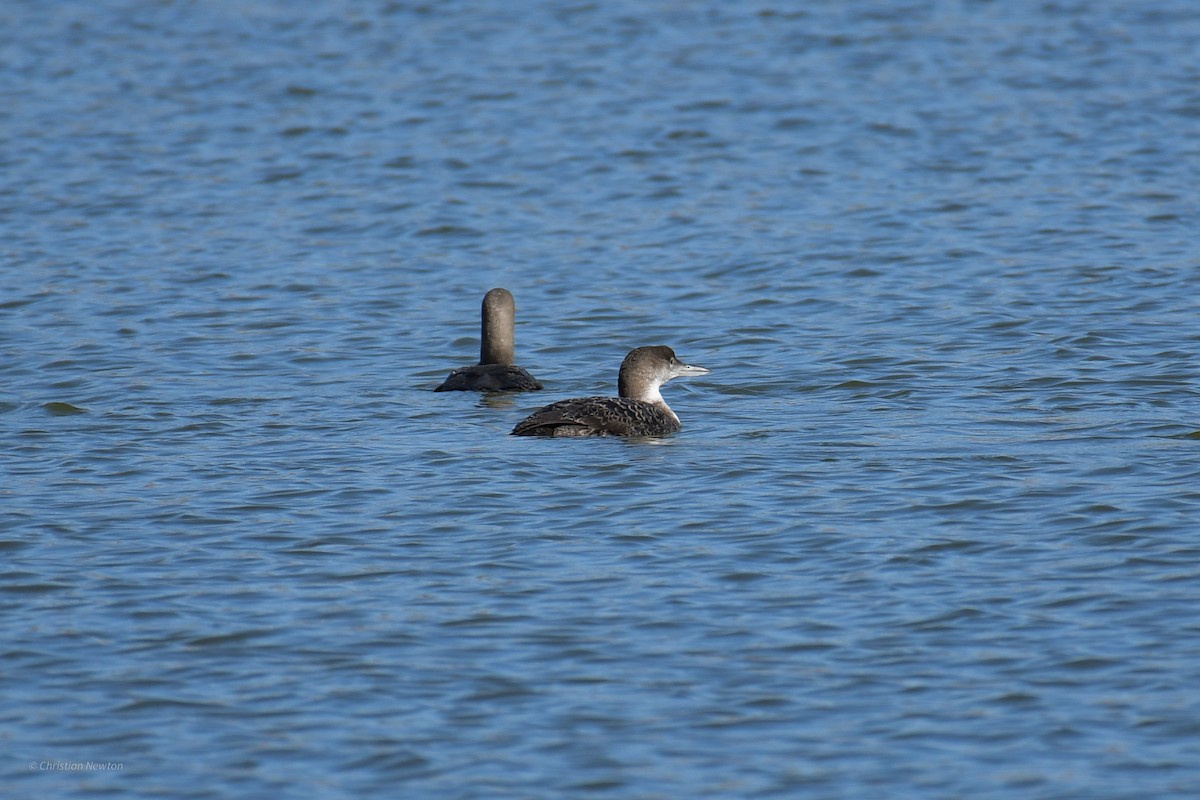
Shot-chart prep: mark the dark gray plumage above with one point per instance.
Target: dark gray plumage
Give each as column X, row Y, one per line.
column 639, row 411
column 490, row 378
column 598, row 416
column 495, row 371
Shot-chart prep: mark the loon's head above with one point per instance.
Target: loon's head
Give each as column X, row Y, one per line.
column 496, row 337
column 647, row 368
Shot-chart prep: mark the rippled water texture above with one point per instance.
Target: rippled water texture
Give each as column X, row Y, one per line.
column 929, row 530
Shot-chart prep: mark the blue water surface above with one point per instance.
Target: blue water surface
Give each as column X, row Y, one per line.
column 929, row 530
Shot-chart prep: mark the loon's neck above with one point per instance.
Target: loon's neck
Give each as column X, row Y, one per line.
column 650, row 394
column 647, row 391
column 496, row 331
column 667, row 410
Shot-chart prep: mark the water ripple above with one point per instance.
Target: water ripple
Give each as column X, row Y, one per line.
column 929, row 521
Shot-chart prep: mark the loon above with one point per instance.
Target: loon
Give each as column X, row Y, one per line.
column 639, row 411
column 495, row 371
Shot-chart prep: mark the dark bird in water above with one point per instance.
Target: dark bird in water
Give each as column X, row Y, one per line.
column 639, row 411
column 495, row 371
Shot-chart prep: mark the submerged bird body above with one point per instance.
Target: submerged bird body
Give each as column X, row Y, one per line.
column 495, row 371
column 490, row 378
column 639, row 411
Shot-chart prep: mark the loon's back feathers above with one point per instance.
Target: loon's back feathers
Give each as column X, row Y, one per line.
column 490, row 378
column 598, row 416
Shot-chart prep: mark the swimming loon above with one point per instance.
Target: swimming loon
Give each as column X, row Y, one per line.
column 495, row 371
column 639, row 411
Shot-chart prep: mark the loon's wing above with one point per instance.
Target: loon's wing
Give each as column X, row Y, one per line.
column 590, row 416
column 490, row 378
